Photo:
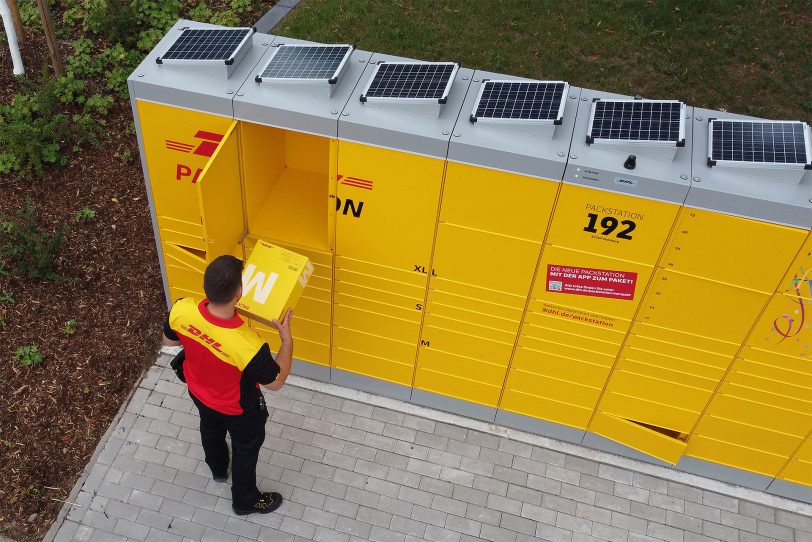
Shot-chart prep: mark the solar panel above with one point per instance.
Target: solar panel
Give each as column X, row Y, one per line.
column 411, row 81
column 520, row 100
column 637, row 120
column 759, row 142
column 306, row 62
column 206, row 45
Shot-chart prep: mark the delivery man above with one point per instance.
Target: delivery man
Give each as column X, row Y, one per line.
column 225, row 363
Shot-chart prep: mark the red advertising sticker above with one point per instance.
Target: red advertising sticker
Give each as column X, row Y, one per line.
column 594, row 282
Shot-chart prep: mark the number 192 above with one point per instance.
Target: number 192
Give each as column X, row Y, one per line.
column 609, row 225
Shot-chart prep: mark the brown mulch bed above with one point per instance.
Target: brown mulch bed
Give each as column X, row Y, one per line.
column 53, row 414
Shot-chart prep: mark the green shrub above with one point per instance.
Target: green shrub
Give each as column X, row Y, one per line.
column 85, row 215
column 28, row 355
column 70, row 327
column 30, row 251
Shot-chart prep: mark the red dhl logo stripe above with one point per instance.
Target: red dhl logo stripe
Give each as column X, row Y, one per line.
column 355, row 181
column 205, row 148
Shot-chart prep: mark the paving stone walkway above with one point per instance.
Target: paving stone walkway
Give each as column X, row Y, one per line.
column 352, row 471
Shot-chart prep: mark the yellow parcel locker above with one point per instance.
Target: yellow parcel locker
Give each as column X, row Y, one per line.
column 798, row 280
column 709, row 245
column 799, row 468
column 497, row 201
column 785, row 327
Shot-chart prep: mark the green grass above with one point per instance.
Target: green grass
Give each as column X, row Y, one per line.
column 749, row 57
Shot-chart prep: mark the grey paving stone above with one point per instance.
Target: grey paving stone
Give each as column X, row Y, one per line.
column 209, row 519
column 476, row 466
column 490, row 485
column 722, row 502
column 524, row 494
column 559, row 504
column 651, row 483
column 297, row 479
column 368, row 425
column 351, row 479
column 630, row 523
column 423, row 468
column 329, row 443
column 156, row 535
column 703, row 512
column 297, row 527
column 451, row 431
column 418, row 424
column 330, row 488
column 457, row 476
column 470, row 495
column 404, row 478
column 518, row 524
column 694, row 537
column 515, row 447
column 497, row 534
column 353, row 527
column 463, row 525
column 370, row 468
column 530, row 465
column 615, row 474
column 504, row 504
column 664, row 532
column 721, row 532
column 778, row 532
column 357, row 409
column 373, row 516
column 496, row 457
column 451, row 506
column 439, row 534
column 362, row 497
column 340, row 506
column 415, row 496
column 324, row 534
column 430, row 440
column 379, row 534
column 411, row 450
column 380, row 442
column 739, row 521
column 607, row 532
column 544, row 484
column 131, row 530
column 483, row 515
column 599, row 485
column 217, row 535
column 507, row 474
column 681, row 521
column 538, row 513
column 242, row 528
column 408, row 526
column 577, row 493
column 757, row 511
column 573, row 523
column 594, row 513
column 552, row 533
column 429, row 516
column 484, row 440
column 647, row 512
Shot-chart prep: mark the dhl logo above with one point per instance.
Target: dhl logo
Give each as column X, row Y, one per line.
column 204, row 148
column 355, row 181
column 203, row 338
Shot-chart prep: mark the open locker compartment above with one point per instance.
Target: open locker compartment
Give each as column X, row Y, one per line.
column 289, row 185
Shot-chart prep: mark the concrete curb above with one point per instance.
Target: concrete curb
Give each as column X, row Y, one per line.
column 278, row 12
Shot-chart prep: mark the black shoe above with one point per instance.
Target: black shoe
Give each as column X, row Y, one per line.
column 267, row 503
column 220, row 479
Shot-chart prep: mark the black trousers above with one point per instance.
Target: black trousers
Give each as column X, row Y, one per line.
column 247, row 432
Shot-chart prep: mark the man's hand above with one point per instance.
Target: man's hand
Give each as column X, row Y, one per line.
column 284, row 327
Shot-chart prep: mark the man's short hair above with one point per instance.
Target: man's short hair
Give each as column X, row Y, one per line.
column 222, row 279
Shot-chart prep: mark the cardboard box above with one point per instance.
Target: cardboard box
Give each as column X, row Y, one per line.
column 272, row 282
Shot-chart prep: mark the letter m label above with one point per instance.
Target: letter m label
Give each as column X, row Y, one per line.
column 252, row 279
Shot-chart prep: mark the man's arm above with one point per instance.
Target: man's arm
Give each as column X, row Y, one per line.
column 170, row 338
column 284, row 358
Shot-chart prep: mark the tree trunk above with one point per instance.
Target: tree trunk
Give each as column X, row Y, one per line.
column 50, row 35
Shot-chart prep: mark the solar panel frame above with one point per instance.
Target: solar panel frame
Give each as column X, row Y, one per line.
column 332, row 79
column 559, row 114
column 803, row 128
column 232, row 52
column 394, row 99
column 678, row 142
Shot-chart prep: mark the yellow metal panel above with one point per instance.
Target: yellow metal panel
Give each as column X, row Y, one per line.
column 177, row 146
column 345, row 277
column 487, row 295
column 804, row 452
column 785, row 394
column 371, row 322
column 374, row 345
column 176, row 293
column 263, row 160
column 576, row 327
column 410, row 314
column 796, row 471
column 319, row 287
column 559, row 367
column 658, row 389
column 387, row 205
column 638, row 437
column 759, row 414
column 785, row 363
column 714, row 364
column 696, row 345
column 444, row 321
column 795, row 372
column 702, row 307
column 623, row 227
column 181, row 233
column 185, row 256
column 767, row 392
column 739, row 457
column 500, row 325
column 560, row 265
column 308, row 344
column 313, row 309
column 471, row 370
column 785, row 327
column 454, row 386
column 471, row 346
column 747, row 435
column 551, row 345
column 406, row 303
column 670, row 370
column 302, row 328
column 412, row 277
column 184, row 278
column 709, row 245
column 375, row 367
column 798, row 280
column 563, row 391
column 497, row 201
column 503, row 263
column 680, row 366
column 476, row 304
column 220, row 197
column 631, row 405
column 545, row 408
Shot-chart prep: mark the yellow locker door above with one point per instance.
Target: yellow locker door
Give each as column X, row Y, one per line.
column 220, row 197
column 702, row 307
column 497, row 201
column 178, row 143
column 732, row 250
column 448, row 373
column 799, row 468
column 387, row 206
column 785, row 327
column 614, row 225
column 184, row 271
column 484, row 259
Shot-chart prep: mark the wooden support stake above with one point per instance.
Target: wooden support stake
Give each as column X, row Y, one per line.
column 18, row 22
column 50, row 35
